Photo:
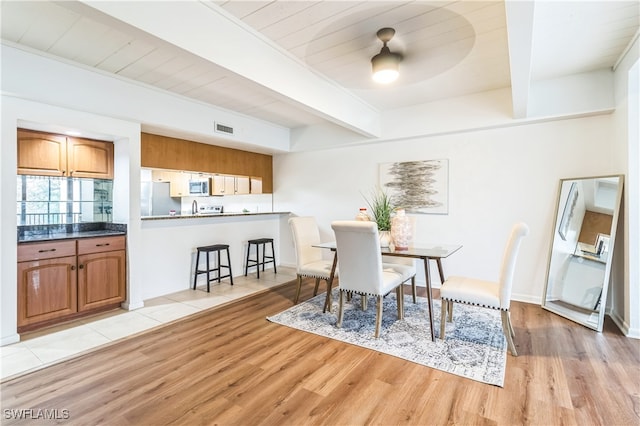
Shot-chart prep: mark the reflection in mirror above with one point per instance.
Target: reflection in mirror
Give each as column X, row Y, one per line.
column 582, row 248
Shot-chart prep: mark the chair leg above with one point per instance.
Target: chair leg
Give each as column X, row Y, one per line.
column 363, row 301
column 327, row 300
column 450, row 309
column 208, row 270
column 258, row 259
column 513, row 333
column 340, row 309
column 507, row 329
column 229, row 263
column 298, row 286
column 413, row 288
column 443, row 316
column 400, row 301
column 195, row 275
column 219, row 266
column 378, row 315
column 315, row 289
column 246, row 262
column 273, row 254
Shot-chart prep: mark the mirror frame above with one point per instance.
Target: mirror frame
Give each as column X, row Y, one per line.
column 566, row 313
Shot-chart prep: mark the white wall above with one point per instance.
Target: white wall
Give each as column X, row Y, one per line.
column 625, row 141
column 496, row 177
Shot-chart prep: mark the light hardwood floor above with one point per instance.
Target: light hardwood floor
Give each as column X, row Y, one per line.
column 230, row 365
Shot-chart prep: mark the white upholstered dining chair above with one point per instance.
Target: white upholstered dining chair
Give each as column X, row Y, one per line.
column 488, row 294
column 309, row 261
column 361, row 269
column 406, row 266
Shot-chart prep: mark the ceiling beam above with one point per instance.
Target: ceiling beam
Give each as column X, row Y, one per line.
column 520, row 16
column 206, row 30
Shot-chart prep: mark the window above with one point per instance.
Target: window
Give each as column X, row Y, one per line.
column 47, row 200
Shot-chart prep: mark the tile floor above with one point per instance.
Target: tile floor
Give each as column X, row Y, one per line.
column 43, row 348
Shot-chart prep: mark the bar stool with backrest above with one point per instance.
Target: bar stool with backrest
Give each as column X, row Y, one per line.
column 260, row 261
column 207, row 250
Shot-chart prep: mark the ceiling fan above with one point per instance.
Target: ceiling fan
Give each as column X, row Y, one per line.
column 386, row 63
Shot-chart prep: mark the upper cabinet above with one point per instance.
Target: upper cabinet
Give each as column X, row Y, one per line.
column 178, row 181
column 256, row 185
column 89, row 159
column 162, row 152
column 45, row 154
column 230, row 185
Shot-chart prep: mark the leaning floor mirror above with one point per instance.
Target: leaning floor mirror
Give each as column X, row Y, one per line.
column 583, row 238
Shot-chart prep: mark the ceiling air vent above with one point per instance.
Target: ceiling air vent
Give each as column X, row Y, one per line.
column 221, row 128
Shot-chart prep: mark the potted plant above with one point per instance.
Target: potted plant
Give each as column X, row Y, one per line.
column 380, row 204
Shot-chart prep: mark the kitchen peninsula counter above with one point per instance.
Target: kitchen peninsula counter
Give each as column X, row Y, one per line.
column 169, row 245
column 209, row 215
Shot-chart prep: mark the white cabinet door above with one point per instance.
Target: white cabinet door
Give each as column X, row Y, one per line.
column 223, row 185
column 256, row 185
column 242, row 185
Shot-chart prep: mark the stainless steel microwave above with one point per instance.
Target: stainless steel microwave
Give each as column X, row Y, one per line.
column 200, row 187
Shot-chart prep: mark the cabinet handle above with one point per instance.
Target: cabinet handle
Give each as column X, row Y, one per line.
column 81, row 266
column 102, row 245
column 44, row 251
column 73, row 267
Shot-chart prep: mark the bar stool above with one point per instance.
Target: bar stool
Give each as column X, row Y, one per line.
column 260, row 261
column 215, row 248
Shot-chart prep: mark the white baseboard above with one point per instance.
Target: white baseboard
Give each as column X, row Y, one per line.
column 633, row 333
column 7, row 340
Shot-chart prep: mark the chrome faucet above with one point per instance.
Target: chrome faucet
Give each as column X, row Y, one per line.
column 194, row 207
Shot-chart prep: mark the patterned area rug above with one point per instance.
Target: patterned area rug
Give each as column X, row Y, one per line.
column 475, row 346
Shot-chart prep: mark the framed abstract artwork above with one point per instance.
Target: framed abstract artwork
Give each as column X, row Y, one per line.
column 417, row 186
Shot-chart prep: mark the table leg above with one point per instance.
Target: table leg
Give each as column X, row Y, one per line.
column 327, row 300
column 427, row 275
column 439, row 262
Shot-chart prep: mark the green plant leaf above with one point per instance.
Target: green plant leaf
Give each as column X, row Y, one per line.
column 380, row 204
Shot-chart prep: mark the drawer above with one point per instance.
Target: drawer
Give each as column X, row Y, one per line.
column 48, row 250
column 101, row 244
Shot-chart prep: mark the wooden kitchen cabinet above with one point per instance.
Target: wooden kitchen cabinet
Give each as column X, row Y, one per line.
column 41, row 154
column 256, row 186
column 89, row 159
column 163, row 152
column 178, row 181
column 101, row 272
column 45, row 154
column 222, row 185
column 61, row 280
column 242, row 185
column 179, row 186
column 230, row 185
column 47, row 278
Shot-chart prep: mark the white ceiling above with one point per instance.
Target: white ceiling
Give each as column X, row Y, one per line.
column 264, row 58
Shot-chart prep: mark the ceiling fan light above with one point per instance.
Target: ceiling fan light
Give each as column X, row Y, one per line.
column 385, row 66
column 385, row 76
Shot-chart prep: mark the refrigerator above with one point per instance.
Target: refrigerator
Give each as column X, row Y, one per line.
column 155, row 199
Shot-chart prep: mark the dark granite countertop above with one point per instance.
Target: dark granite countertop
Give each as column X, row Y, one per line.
column 40, row 233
